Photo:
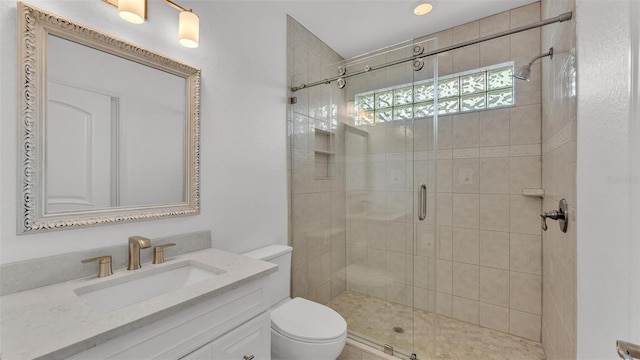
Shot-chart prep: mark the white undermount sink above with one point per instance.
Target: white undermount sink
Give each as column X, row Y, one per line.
column 141, row 285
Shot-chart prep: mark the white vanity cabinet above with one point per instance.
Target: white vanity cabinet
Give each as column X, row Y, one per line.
column 246, row 342
column 234, row 325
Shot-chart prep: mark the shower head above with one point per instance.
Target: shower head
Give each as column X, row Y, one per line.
column 524, row 73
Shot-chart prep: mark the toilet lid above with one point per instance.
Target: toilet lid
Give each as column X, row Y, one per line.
column 304, row 320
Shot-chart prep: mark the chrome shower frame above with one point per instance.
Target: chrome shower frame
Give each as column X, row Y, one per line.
column 560, row 18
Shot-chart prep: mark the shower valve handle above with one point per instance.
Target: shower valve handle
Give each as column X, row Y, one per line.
column 560, row 215
column 553, row 215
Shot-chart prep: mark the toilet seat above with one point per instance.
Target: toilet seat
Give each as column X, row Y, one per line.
column 307, row 321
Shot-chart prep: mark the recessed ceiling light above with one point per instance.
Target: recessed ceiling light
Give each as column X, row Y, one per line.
column 422, row 8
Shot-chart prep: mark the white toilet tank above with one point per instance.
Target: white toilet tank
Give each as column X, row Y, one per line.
column 279, row 281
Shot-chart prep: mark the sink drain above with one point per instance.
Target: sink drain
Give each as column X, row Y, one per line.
column 398, row 329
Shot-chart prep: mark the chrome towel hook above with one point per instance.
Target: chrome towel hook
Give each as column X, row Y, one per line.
column 560, row 215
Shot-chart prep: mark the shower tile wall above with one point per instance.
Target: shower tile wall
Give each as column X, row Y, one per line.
column 559, row 181
column 489, row 255
column 488, row 260
column 316, row 180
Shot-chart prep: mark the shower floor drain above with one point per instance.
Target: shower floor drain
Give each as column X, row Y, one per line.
column 398, row 329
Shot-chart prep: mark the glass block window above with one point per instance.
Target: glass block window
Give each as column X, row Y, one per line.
column 481, row 89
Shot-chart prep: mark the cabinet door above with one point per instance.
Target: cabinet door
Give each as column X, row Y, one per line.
column 204, row 353
column 252, row 340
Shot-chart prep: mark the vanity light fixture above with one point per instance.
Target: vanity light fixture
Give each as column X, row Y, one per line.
column 135, row 12
column 422, row 8
column 188, row 26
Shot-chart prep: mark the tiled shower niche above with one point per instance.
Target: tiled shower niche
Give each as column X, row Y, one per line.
column 324, row 154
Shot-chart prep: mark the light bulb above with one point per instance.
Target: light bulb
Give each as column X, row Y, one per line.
column 133, row 11
column 422, row 9
column 189, row 29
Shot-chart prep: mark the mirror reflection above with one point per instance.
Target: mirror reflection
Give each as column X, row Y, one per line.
column 114, row 131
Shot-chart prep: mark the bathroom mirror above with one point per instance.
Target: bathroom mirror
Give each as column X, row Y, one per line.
column 108, row 131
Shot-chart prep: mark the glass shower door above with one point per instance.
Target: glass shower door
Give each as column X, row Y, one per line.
column 363, row 204
column 426, row 244
column 380, row 205
column 390, row 203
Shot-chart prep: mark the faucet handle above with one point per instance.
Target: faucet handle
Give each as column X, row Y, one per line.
column 104, row 265
column 158, row 252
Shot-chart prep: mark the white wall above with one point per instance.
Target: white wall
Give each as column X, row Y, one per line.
column 242, row 55
column 635, row 168
column 607, row 250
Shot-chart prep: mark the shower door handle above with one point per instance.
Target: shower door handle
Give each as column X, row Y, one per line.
column 422, row 202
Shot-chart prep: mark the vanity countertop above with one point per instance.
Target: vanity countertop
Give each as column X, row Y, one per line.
column 54, row 322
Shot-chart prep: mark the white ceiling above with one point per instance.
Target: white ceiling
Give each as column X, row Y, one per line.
column 355, row 27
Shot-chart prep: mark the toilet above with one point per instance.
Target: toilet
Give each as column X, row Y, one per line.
column 300, row 329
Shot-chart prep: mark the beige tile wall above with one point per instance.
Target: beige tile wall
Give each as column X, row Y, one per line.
column 559, row 180
column 316, row 204
column 488, row 258
column 489, row 238
column 488, row 261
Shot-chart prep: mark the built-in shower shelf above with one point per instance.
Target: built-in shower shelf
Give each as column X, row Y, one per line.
column 533, row 192
column 324, row 156
column 324, row 152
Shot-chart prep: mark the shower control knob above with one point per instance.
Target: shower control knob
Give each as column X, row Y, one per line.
column 553, row 215
column 560, row 215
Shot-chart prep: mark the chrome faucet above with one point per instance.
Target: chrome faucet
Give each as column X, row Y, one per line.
column 135, row 244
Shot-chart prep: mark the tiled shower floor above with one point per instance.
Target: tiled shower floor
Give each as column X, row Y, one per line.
column 370, row 318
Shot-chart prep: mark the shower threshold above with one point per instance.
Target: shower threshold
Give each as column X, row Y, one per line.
column 371, row 346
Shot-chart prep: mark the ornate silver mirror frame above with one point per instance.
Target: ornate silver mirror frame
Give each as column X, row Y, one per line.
column 35, row 26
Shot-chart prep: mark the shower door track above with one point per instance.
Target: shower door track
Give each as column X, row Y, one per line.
column 559, row 18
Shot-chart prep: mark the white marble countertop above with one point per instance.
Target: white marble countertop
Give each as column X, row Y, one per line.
column 54, row 322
